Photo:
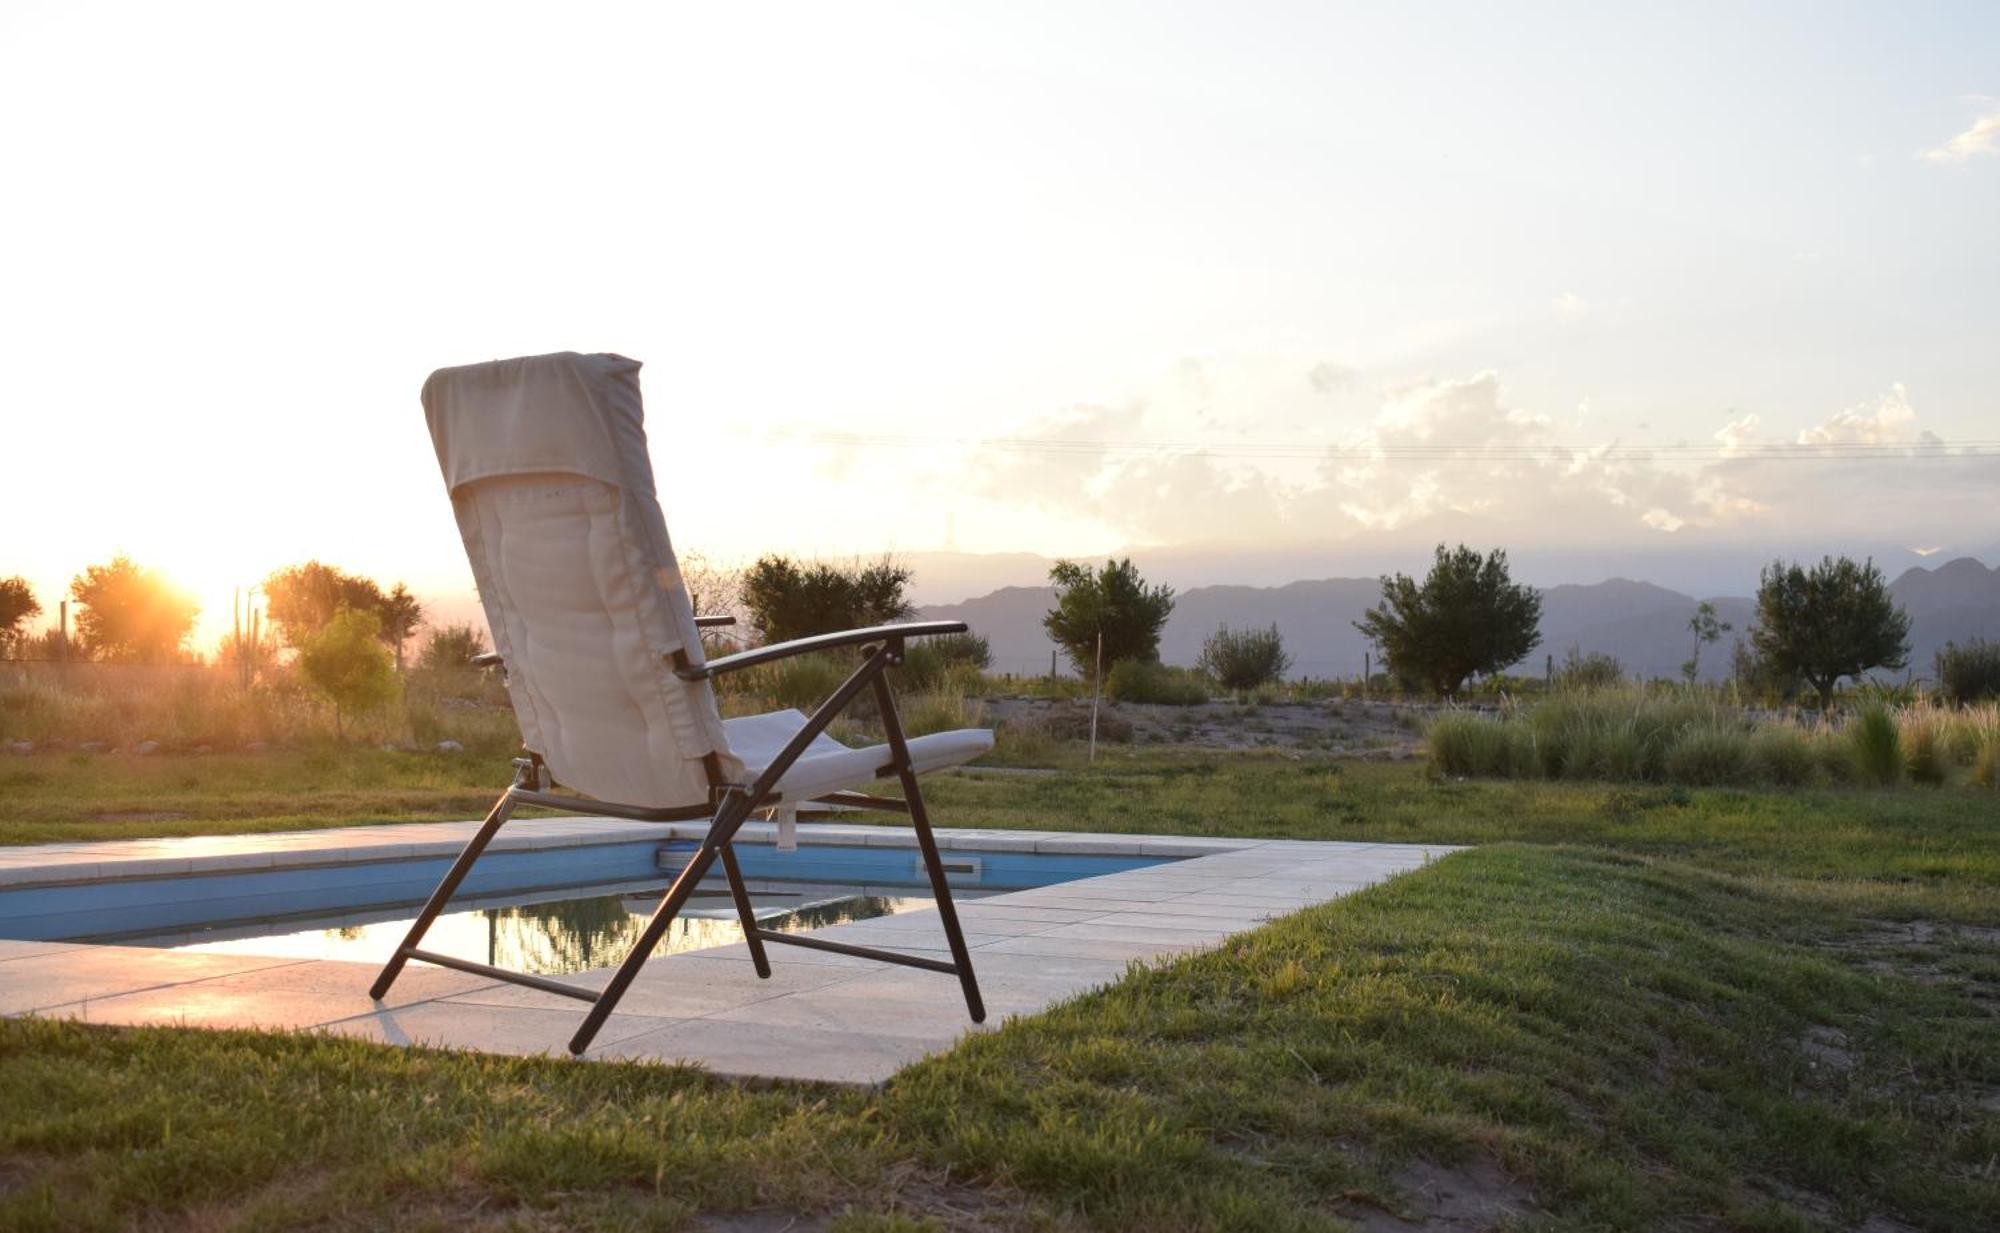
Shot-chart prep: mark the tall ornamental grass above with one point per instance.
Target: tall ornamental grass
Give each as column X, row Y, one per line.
column 1698, row 740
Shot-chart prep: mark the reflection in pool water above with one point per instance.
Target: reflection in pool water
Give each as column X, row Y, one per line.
column 553, row 937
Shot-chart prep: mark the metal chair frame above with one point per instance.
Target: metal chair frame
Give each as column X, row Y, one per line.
column 730, row 805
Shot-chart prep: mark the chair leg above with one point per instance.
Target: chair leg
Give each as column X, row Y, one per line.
column 920, row 820
column 727, row 820
column 744, row 912
column 495, row 819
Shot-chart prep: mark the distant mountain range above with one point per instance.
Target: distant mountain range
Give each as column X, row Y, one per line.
column 1643, row 625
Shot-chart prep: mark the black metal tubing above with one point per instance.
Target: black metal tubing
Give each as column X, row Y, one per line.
column 734, row 804
column 820, row 642
column 863, row 952
column 712, row 622
column 736, row 807
column 861, row 800
column 515, row 978
column 920, row 821
column 614, row 810
column 495, row 819
column 744, row 912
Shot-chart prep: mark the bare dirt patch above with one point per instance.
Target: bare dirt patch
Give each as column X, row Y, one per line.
column 1347, row 728
column 1440, row 1198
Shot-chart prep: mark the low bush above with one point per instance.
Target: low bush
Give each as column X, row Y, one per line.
column 1924, row 734
column 1969, row 674
column 1876, row 746
column 1784, row 755
column 1241, row 660
column 1595, row 670
column 951, row 661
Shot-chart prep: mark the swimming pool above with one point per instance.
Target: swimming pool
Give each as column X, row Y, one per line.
column 299, row 886
column 552, row 934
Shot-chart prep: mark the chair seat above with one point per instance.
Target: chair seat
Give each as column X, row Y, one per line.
column 829, row 766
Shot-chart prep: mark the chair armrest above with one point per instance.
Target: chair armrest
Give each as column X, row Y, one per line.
column 821, row 642
column 710, row 622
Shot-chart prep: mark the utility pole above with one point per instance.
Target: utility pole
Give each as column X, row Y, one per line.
column 1096, row 692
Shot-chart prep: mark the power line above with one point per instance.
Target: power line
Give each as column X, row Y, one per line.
column 1848, row 451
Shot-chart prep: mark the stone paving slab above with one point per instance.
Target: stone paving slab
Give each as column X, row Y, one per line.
column 821, row 1016
column 55, row 863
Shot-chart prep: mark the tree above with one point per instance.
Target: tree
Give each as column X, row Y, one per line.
column 1467, row 616
column 130, row 615
column 1833, row 620
column 1706, row 629
column 401, row 614
column 17, row 604
column 301, row 599
column 345, row 660
column 1113, row 603
column 1245, row 660
column 452, row 646
column 787, row 599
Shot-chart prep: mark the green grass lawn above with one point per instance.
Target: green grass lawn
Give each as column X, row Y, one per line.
column 1629, row 1009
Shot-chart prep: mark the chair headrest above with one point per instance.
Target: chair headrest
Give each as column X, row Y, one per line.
column 565, row 413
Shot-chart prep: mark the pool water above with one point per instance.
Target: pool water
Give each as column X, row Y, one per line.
column 552, row 937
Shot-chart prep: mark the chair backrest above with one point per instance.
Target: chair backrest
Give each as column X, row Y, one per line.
column 545, row 459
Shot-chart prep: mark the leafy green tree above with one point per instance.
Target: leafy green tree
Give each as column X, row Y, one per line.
column 1467, row 616
column 1244, row 660
column 17, row 604
column 401, row 614
column 345, row 660
column 1833, row 620
column 1114, row 603
column 127, row 614
column 1707, row 629
column 452, row 646
column 301, row 599
column 788, row 599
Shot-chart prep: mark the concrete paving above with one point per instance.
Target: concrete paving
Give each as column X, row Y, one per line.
column 823, row 1017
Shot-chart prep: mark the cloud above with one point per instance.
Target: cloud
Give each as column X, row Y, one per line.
column 1890, row 420
column 1454, row 456
column 1983, row 137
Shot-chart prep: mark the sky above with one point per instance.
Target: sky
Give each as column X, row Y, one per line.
column 1214, row 280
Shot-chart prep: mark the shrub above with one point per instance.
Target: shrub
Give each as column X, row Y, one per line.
column 1595, row 670
column 1986, row 764
column 1711, row 757
column 1925, row 756
column 1874, row 744
column 1466, row 744
column 952, row 661
column 1138, row 680
column 924, row 713
column 346, row 663
column 788, row 599
column 1970, row 673
column 1244, row 660
column 452, row 646
column 1784, row 755
column 801, row 682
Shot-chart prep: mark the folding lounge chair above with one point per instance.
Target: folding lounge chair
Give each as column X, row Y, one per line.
column 545, row 459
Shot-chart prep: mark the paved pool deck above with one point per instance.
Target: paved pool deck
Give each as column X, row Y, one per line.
column 821, row 1016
